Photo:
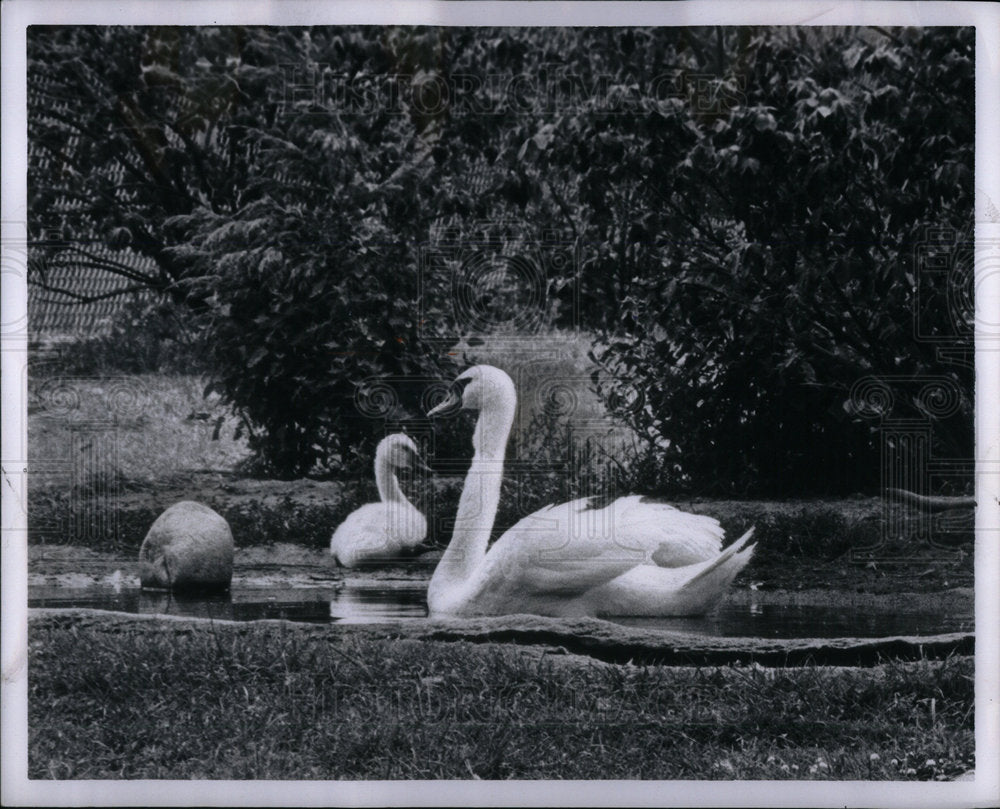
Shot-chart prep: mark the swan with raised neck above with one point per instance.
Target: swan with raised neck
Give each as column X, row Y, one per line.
column 491, row 392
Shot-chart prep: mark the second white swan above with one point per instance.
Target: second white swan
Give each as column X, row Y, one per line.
column 391, row 528
column 631, row 557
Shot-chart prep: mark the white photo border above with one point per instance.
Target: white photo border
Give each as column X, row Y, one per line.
column 17, row 790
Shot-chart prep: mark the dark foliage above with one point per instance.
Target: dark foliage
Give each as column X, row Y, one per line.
column 795, row 263
column 743, row 216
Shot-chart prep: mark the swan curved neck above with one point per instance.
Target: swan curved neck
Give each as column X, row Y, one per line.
column 386, row 480
column 477, row 506
column 492, row 431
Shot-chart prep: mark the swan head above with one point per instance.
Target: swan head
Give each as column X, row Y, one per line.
column 400, row 451
column 478, row 388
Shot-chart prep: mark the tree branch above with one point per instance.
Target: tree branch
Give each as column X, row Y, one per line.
column 80, row 298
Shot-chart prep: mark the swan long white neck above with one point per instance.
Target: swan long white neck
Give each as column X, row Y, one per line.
column 386, row 480
column 477, row 506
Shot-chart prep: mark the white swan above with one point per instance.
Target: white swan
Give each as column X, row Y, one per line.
column 631, row 557
column 387, row 530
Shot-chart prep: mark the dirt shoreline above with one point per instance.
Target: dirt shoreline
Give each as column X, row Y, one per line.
column 588, row 638
column 281, row 527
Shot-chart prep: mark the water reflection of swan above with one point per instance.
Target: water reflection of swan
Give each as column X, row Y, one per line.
column 367, row 603
column 391, row 528
column 631, row 557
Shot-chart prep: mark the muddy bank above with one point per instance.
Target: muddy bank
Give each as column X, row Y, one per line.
column 280, row 565
column 260, row 512
column 587, row 638
column 305, row 512
column 853, row 543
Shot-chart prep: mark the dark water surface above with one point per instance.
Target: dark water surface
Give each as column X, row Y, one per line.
column 811, row 621
column 346, row 604
column 352, row 602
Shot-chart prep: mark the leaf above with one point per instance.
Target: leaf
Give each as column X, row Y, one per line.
column 765, row 122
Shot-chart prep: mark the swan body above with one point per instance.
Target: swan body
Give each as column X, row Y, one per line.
column 630, row 557
column 393, row 527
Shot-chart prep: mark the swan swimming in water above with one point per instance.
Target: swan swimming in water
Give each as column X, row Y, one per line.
column 391, row 528
column 631, row 557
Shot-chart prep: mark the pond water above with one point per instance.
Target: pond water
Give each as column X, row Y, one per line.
column 811, row 621
column 385, row 601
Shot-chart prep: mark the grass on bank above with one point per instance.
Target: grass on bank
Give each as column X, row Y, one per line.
column 280, row 702
column 135, row 430
column 155, row 428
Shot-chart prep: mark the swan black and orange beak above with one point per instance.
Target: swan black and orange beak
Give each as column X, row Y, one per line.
column 452, row 400
column 417, row 462
column 412, row 459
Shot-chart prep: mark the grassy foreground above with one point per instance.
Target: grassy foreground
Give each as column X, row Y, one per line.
column 277, row 701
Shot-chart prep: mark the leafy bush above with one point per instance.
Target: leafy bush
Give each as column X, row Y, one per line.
column 789, row 266
column 308, row 315
column 736, row 211
column 311, row 284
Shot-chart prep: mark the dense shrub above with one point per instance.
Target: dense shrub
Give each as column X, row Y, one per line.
column 735, row 211
column 310, row 310
column 802, row 255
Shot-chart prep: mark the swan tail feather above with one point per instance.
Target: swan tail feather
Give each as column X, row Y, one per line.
column 716, row 576
column 653, row 591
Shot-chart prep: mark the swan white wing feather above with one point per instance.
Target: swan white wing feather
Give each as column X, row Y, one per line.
column 660, row 533
column 377, row 531
column 646, row 590
column 570, row 548
column 671, row 538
